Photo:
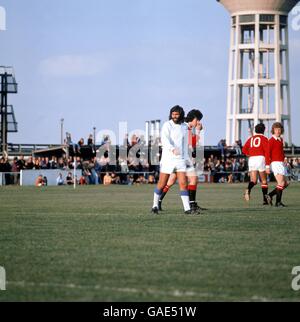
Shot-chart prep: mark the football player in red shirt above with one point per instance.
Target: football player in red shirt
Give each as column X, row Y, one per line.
column 277, row 164
column 257, row 148
column 191, row 173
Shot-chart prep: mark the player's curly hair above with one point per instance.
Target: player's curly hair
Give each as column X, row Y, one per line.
column 277, row 125
column 260, row 128
column 179, row 110
column 194, row 114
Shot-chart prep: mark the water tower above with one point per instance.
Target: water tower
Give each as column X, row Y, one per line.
column 259, row 80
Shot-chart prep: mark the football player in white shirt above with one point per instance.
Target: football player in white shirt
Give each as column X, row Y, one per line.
column 174, row 138
column 193, row 121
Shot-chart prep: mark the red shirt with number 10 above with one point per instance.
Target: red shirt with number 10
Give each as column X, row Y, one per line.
column 257, row 145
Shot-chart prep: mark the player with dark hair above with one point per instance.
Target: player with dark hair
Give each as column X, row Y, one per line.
column 179, row 118
column 192, row 119
column 277, row 164
column 174, row 156
column 257, row 148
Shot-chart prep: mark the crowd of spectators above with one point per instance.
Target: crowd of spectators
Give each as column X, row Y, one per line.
column 131, row 170
column 226, row 170
column 98, row 171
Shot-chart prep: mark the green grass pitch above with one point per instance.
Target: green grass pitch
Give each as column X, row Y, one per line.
column 101, row 244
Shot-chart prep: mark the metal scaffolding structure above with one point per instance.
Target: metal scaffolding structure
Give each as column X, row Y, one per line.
column 8, row 123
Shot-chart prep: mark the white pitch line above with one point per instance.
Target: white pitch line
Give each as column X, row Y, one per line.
column 174, row 293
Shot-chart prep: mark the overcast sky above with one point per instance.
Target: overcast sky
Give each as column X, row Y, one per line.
column 98, row 62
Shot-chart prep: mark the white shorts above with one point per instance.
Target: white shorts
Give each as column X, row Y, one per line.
column 171, row 166
column 257, row 163
column 279, row 168
column 190, row 169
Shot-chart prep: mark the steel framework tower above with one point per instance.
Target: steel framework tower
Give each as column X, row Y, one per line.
column 258, row 82
column 8, row 122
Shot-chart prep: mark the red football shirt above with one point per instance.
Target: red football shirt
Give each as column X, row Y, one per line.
column 257, row 145
column 276, row 149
